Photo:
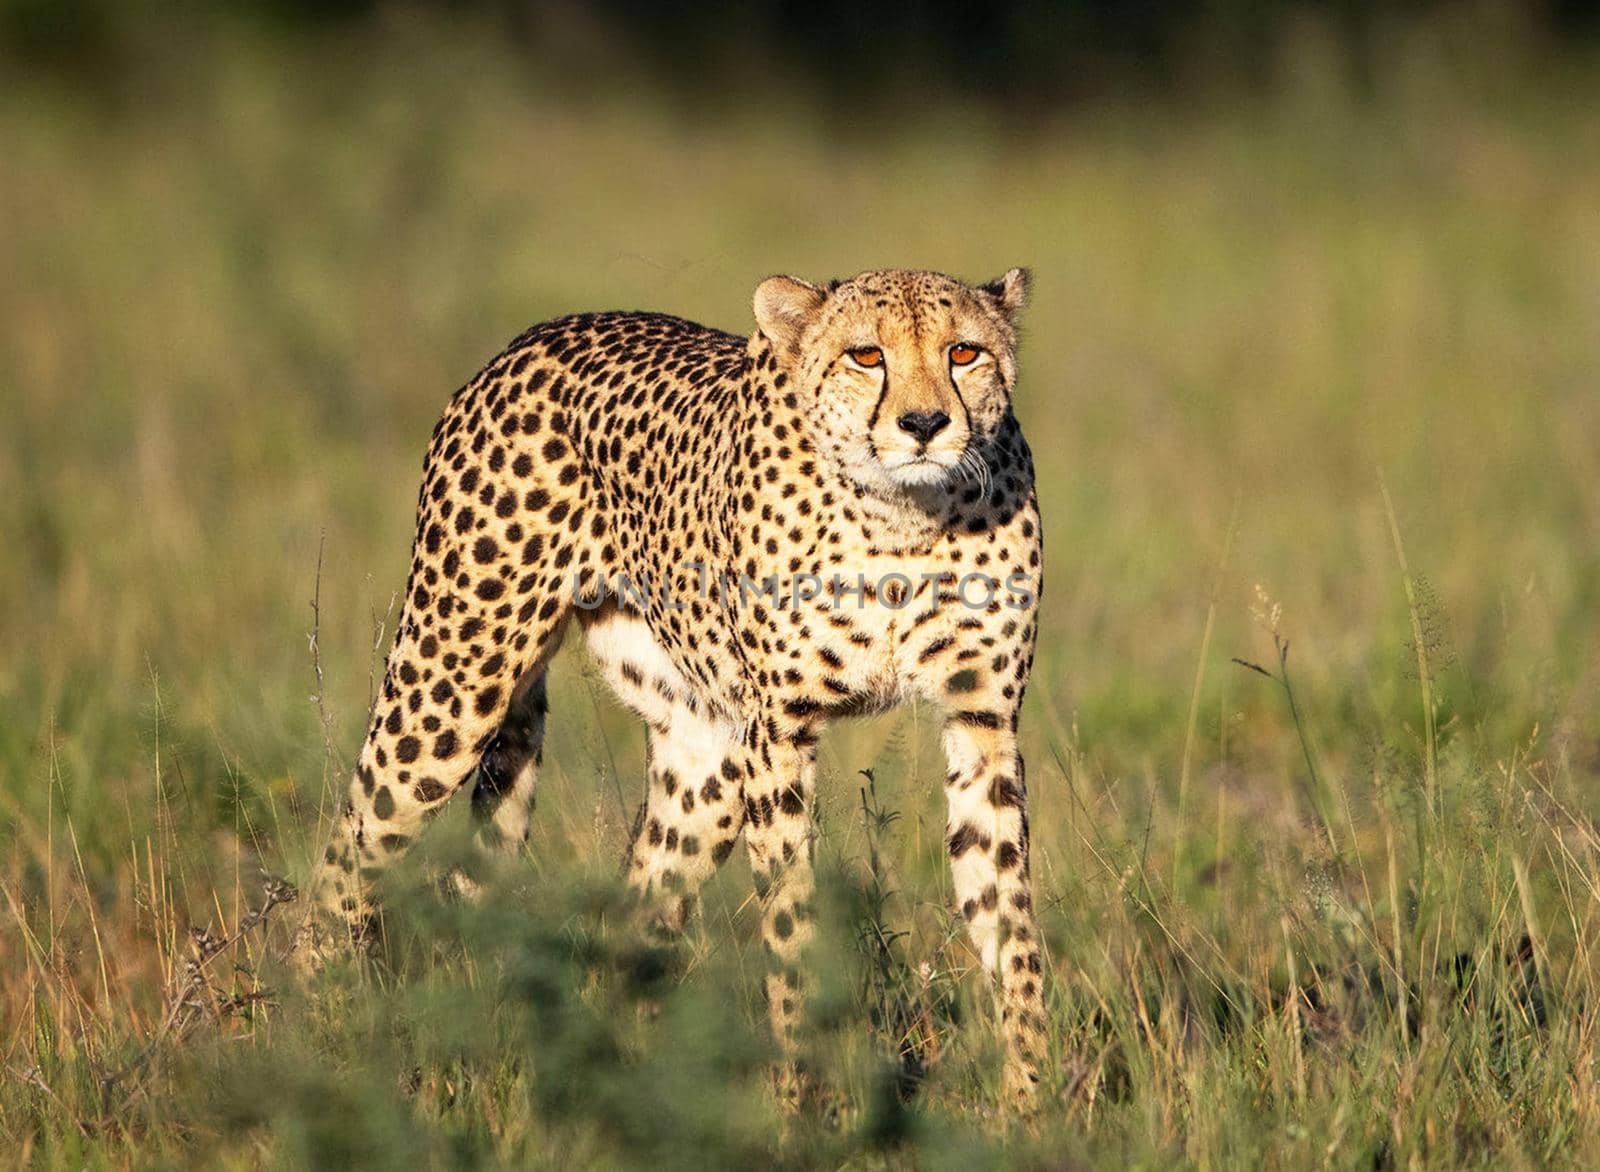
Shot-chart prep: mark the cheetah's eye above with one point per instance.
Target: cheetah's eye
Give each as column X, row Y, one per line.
column 867, row 356
column 962, row 354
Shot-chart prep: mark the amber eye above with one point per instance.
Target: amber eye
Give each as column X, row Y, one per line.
column 867, row 356
column 962, row 354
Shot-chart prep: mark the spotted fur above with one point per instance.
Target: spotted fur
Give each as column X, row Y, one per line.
column 648, row 477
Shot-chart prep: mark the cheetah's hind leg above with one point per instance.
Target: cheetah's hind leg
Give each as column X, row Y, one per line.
column 423, row 746
column 507, row 775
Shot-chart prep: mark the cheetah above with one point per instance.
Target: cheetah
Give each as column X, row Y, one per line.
column 754, row 534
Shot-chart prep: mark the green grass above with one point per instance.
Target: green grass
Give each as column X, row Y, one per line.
column 231, row 314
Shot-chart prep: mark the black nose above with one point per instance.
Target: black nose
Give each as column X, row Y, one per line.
column 923, row 424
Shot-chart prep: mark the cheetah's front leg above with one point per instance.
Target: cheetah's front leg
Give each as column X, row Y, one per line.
column 988, row 843
column 778, row 836
column 694, row 807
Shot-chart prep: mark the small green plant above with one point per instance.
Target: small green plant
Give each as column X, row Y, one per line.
column 1270, row 615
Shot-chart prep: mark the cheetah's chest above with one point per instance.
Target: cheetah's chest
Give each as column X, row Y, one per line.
column 849, row 638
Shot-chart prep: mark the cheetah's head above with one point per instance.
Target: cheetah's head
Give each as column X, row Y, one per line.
column 902, row 373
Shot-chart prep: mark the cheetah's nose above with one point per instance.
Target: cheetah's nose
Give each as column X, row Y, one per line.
column 923, row 424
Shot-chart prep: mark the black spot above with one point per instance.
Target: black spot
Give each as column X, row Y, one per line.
column 964, row 838
column 406, row 749
column 1004, row 792
column 963, row 681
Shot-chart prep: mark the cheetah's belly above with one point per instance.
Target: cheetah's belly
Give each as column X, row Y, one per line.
column 644, row 676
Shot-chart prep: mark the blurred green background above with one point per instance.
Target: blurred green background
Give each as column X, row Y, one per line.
column 1281, row 254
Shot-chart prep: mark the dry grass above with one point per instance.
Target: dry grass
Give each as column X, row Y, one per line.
column 1343, row 349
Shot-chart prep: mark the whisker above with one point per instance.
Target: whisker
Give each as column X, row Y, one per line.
column 976, row 469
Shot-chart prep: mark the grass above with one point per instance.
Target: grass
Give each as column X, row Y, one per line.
column 1311, row 379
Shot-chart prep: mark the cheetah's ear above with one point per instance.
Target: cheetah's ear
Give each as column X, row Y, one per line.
column 784, row 306
column 1009, row 292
